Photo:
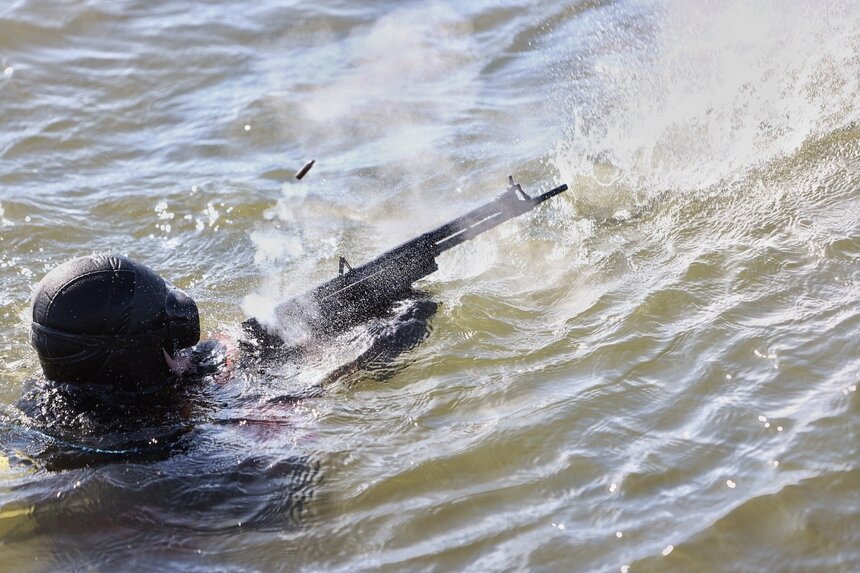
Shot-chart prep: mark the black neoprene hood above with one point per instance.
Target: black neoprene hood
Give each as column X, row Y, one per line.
column 105, row 319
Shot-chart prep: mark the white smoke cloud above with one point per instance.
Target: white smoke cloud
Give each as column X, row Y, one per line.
column 378, row 113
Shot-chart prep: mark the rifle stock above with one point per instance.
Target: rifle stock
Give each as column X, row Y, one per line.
column 361, row 292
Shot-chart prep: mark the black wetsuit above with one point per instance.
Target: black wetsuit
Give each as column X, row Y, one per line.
column 85, row 425
column 195, row 457
column 92, row 424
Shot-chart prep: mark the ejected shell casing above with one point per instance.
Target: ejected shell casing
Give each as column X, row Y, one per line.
column 304, row 170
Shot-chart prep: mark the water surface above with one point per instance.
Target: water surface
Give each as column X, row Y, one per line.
column 657, row 371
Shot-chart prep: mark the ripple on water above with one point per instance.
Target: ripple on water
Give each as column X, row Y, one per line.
column 655, row 372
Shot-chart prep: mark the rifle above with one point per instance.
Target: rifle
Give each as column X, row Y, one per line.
column 358, row 293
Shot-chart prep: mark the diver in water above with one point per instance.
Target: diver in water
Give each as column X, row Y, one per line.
column 120, row 346
column 126, row 376
column 108, row 321
column 120, row 350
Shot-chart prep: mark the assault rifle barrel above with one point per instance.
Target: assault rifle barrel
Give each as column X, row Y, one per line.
column 513, row 203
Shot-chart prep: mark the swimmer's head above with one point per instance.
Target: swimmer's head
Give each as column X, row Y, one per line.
column 108, row 320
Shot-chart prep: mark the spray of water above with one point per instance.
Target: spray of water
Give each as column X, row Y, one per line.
column 718, row 89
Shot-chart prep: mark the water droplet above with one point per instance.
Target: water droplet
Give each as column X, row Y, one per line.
column 561, row 526
column 728, row 376
column 9, row 71
column 247, row 127
column 731, row 484
column 767, row 425
column 775, row 463
column 669, row 549
column 613, row 487
column 619, row 535
column 853, row 388
column 625, row 568
column 779, row 428
column 762, row 418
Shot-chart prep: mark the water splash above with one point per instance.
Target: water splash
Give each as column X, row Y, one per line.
column 709, row 94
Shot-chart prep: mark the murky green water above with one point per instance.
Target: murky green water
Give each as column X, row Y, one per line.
column 655, row 372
